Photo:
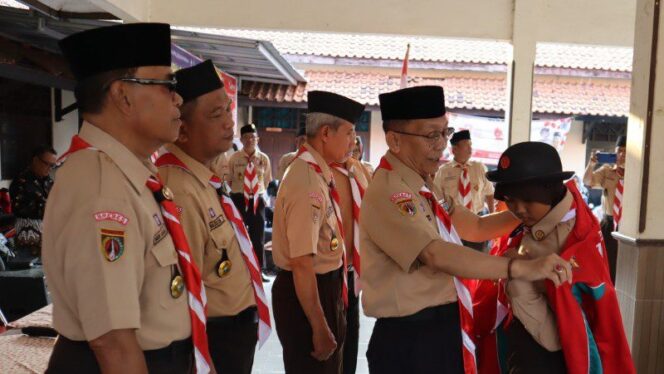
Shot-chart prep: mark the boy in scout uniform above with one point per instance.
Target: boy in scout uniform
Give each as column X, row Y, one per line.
column 248, row 192
column 611, row 179
column 411, row 248
column 285, row 160
column 109, row 259
column 464, row 181
column 358, row 152
column 308, row 295
column 207, row 131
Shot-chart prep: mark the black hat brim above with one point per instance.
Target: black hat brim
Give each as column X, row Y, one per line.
column 494, row 176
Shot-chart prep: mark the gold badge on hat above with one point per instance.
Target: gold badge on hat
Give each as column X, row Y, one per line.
column 224, row 265
column 177, row 286
column 334, row 243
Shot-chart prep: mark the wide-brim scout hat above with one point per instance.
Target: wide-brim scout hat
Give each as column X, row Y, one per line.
column 529, row 161
column 197, row 81
column 335, row 105
column 104, row 49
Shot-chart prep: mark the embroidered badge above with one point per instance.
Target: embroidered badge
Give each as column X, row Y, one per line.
column 212, row 213
column 111, row 216
column 112, row 244
column 401, row 196
column 315, row 196
column 159, row 236
column 157, row 219
column 407, row 207
column 180, row 209
column 217, row 222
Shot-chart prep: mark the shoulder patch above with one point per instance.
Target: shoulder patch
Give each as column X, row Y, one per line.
column 111, row 216
column 112, row 244
column 316, row 197
column 398, row 196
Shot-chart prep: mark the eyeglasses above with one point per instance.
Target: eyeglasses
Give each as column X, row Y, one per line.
column 433, row 137
column 46, row 163
column 171, row 84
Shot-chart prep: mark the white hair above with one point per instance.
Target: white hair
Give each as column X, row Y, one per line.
column 316, row 120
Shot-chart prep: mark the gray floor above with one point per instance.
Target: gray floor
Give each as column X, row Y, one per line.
column 268, row 359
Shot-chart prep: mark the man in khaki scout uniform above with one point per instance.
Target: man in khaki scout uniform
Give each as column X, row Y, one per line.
column 610, row 178
column 342, row 173
column 109, row 260
column 252, row 211
column 207, row 130
column 407, row 266
column 285, row 160
column 308, row 293
column 464, row 181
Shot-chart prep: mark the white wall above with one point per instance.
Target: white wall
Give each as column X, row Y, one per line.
column 573, row 155
column 376, row 138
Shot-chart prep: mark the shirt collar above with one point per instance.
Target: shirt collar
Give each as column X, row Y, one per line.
column 325, row 169
column 409, row 176
column 197, row 169
column 547, row 224
column 137, row 171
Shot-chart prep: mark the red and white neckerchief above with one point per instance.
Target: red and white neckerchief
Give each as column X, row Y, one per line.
column 192, row 276
column 357, row 192
column 617, row 203
column 307, row 157
column 462, row 286
column 464, row 187
column 250, row 184
column 247, row 249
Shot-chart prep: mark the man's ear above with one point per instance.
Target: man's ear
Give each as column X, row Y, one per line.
column 393, row 141
column 118, row 96
column 325, row 132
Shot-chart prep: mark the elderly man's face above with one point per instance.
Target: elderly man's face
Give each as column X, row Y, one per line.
column 423, row 152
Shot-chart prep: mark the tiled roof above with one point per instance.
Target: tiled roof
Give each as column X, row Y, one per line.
column 435, row 49
column 550, row 94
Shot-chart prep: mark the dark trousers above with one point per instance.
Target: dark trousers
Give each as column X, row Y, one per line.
column 428, row 341
column 255, row 223
column 294, row 330
column 525, row 355
column 73, row 357
column 232, row 341
column 611, row 245
column 352, row 327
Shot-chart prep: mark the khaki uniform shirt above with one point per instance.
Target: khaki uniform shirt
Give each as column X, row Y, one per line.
column 528, row 299
column 607, row 178
column 396, row 224
column 99, row 199
column 447, row 179
column 284, row 161
column 346, row 199
column 220, row 166
column 368, row 168
column 238, row 163
column 209, row 233
column 304, row 220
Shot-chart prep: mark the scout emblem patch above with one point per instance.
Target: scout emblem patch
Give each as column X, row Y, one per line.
column 224, row 265
column 112, row 244
column 404, row 201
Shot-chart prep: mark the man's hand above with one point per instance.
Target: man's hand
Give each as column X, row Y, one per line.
column 593, row 156
column 551, row 267
column 324, row 343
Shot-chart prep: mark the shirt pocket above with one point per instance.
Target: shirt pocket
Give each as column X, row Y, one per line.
column 220, row 240
column 167, row 261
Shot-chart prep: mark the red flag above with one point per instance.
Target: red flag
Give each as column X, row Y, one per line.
column 404, row 69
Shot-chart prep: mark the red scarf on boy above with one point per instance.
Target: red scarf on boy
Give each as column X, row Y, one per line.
column 587, row 313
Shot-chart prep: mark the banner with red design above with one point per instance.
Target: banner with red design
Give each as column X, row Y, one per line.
column 553, row 132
